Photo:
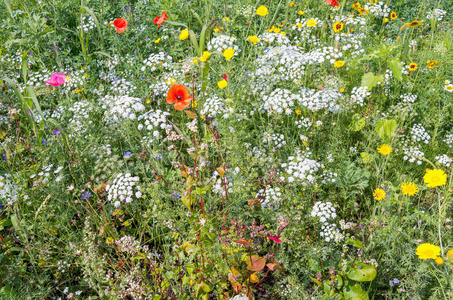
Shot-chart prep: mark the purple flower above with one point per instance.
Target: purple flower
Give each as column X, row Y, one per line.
column 394, row 281
column 44, row 142
column 127, row 154
column 86, row 195
column 159, row 156
column 175, row 195
column 4, row 156
column 56, row 132
column 55, row 48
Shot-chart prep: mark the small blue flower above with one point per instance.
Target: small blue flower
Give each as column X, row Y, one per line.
column 127, row 154
column 44, row 142
column 4, row 156
column 86, row 195
column 175, row 195
column 159, row 156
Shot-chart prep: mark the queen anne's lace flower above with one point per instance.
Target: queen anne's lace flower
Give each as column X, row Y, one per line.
column 124, row 188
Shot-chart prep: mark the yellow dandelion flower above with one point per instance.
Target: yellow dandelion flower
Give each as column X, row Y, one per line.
column 262, row 11
column 184, row 35
column 312, row 22
column 228, row 53
column 434, row 178
column 338, row 64
column 439, row 261
column 427, row 251
column 222, row 84
column 379, row 194
column 384, row 149
column 385, row 20
column 292, row 4
column 157, row 41
column 409, row 189
column 206, row 55
column 300, row 12
column 298, row 112
column 254, row 39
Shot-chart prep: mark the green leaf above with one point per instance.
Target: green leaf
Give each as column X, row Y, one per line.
column 355, row 243
column 193, row 40
column 369, row 80
column 355, row 292
column 386, row 128
column 362, row 272
column 397, row 68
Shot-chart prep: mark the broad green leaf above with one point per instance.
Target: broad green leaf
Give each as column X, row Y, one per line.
column 362, row 272
column 386, row 128
column 355, row 292
column 397, row 68
column 369, row 80
column 355, row 243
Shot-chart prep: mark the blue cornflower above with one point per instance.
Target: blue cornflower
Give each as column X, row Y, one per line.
column 86, row 195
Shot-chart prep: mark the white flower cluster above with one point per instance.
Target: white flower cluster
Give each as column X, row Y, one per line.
column 351, row 42
column 351, row 20
column 222, row 42
column 419, row 134
column 437, row 14
column 270, row 197
column 303, row 123
column 123, row 189
column 274, row 140
column 301, row 168
column 408, row 98
column 159, row 88
column 285, row 63
column 330, row 232
column 279, row 101
column 219, row 188
column 118, row 108
column 444, row 160
column 379, row 9
column 213, row 106
column 412, row 154
column 158, row 61
column 358, row 95
column 153, row 121
column 122, row 87
column 88, row 24
column 449, row 140
column 80, row 120
column 274, row 38
column 324, row 99
column 325, row 213
column 329, row 177
column 8, row 190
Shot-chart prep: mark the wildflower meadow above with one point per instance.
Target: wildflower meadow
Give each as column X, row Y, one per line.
column 208, row 149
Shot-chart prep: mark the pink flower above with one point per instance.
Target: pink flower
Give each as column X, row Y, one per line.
column 275, row 239
column 225, row 77
column 56, row 79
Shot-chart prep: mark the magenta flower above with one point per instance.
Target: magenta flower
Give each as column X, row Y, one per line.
column 56, row 79
column 275, row 239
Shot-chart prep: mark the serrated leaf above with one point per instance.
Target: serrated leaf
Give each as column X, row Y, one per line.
column 362, row 272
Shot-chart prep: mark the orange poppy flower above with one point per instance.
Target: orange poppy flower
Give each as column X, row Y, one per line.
column 160, row 20
column 179, row 94
column 120, row 25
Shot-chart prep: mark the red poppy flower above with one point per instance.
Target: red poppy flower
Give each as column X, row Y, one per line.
column 179, row 94
column 120, row 25
column 160, row 20
column 275, row 239
column 333, row 3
